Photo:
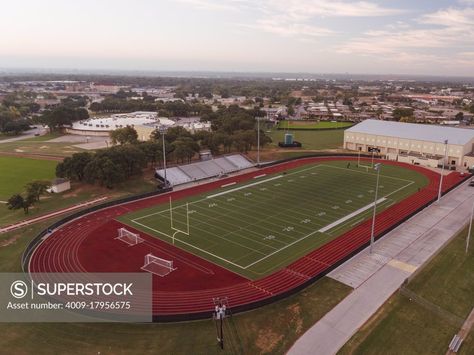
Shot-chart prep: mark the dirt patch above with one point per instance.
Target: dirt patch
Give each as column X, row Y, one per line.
column 9, row 241
column 295, row 310
column 267, row 340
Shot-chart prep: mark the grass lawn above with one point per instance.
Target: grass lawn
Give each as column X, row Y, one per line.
column 313, row 125
column 268, row 330
column 405, row 327
column 79, row 193
column 16, row 172
column 313, row 140
column 239, row 227
column 39, row 145
column 44, row 137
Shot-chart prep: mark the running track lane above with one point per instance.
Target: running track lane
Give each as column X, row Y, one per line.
column 87, row 244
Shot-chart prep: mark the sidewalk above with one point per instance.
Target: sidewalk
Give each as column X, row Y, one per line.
column 27, row 222
column 376, row 277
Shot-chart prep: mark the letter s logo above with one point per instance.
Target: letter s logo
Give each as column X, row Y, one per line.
column 19, row 289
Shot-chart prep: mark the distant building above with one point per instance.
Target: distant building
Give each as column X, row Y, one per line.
column 143, row 122
column 413, row 143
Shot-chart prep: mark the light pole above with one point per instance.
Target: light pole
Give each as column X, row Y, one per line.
column 372, row 234
column 442, row 170
column 470, row 228
column 163, row 131
column 258, row 141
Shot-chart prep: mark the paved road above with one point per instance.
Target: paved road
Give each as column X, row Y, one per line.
column 27, row 134
column 375, row 277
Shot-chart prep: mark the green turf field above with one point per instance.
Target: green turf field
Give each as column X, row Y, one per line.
column 15, row 173
column 261, row 225
column 314, row 140
column 313, row 125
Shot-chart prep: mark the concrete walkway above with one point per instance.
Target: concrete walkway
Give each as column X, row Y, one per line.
column 376, row 277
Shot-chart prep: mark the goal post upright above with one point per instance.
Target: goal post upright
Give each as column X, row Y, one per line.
column 175, row 229
column 171, row 213
column 187, row 216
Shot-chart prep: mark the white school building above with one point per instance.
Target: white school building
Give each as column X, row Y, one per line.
column 414, row 143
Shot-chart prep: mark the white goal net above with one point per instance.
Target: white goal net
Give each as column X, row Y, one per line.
column 128, row 237
column 158, row 266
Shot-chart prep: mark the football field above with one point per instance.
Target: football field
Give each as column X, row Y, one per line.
column 259, row 226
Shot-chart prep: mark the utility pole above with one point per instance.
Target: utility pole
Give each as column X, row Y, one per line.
column 372, row 234
column 163, row 131
column 442, row 170
column 469, row 230
column 258, row 141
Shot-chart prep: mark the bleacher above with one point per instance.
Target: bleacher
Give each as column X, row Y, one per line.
column 204, row 169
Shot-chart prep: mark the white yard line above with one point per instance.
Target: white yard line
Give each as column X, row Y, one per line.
column 191, row 245
column 321, row 230
column 245, row 186
column 361, row 172
column 349, row 216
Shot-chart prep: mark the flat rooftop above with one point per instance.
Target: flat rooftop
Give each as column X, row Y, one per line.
column 414, row 131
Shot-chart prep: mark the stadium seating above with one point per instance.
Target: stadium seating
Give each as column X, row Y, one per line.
column 204, row 169
column 239, row 161
column 175, row 176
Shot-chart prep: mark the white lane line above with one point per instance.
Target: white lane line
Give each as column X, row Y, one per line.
column 244, row 187
column 349, row 216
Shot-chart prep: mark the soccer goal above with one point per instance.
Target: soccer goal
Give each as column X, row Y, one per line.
column 158, row 266
column 128, row 237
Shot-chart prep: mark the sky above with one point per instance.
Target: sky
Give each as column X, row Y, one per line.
column 422, row 37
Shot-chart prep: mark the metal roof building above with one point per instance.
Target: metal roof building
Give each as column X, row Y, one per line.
column 414, row 143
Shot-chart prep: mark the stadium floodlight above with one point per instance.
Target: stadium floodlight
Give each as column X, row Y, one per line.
column 221, row 308
column 258, row 140
column 372, row 234
column 442, row 169
column 470, row 228
column 163, row 132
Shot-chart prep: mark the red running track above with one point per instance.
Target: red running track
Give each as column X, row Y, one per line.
column 87, row 244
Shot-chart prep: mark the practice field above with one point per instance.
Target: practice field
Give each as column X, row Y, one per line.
column 313, row 125
column 260, row 226
column 15, row 173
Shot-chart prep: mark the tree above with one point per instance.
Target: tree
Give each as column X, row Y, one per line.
column 459, row 116
column 126, row 135
column 36, row 189
column 184, row 149
column 62, row 116
column 103, row 170
column 17, row 201
column 73, row 167
column 400, row 112
column 152, row 151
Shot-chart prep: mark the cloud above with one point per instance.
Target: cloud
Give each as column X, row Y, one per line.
column 213, row 5
column 295, row 17
column 305, row 9
column 440, row 37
